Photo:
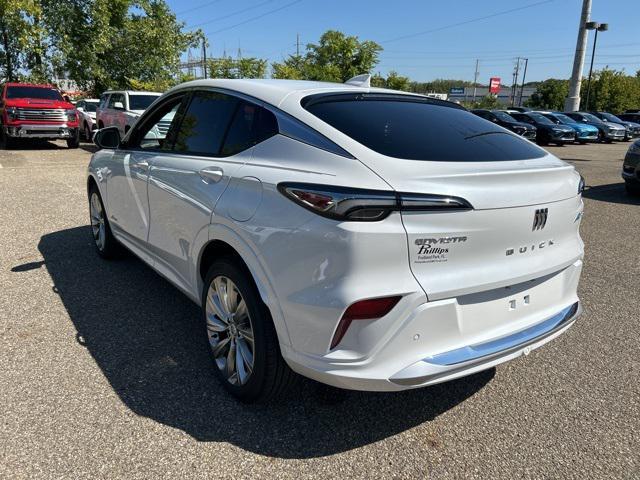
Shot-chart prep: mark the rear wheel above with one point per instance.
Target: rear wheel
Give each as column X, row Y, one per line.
column 244, row 344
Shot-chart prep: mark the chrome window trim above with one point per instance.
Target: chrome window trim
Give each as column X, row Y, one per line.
column 288, row 125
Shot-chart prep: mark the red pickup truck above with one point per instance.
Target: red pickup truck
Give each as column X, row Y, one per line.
column 36, row 111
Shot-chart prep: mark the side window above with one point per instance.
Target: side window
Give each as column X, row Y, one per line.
column 205, row 123
column 80, row 104
column 251, row 124
column 116, row 97
column 104, row 98
column 158, row 130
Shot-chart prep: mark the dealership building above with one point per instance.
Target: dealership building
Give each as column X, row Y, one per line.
column 504, row 95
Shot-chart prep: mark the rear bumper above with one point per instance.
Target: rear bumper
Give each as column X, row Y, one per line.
column 41, row 131
column 477, row 357
column 442, row 340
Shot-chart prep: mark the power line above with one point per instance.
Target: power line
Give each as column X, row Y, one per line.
column 466, row 22
column 232, row 14
column 257, row 17
column 475, row 53
column 182, row 12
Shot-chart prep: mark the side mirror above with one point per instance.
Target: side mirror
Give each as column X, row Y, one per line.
column 80, row 109
column 107, row 138
column 118, row 106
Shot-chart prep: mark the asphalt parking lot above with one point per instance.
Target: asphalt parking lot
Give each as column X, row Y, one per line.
column 104, row 371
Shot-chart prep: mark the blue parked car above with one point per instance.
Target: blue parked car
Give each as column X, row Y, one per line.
column 584, row 132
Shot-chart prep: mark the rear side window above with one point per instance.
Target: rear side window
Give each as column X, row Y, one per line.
column 419, row 129
column 205, row 123
column 251, row 124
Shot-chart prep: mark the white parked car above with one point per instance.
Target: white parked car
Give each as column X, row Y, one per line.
column 87, row 111
column 365, row 238
column 122, row 108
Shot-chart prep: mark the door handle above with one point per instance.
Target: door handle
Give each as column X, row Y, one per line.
column 143, row 165
column 211, row 174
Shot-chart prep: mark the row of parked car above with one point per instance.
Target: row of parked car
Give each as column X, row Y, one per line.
column 547, row 127
column 114, row 109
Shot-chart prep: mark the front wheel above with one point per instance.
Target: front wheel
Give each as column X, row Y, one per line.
column 74, row 141
column 244, row 344
column 6, row 142
column 106, row 244
column 633, row 188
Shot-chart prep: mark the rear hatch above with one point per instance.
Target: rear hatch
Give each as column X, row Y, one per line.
column 526, row 207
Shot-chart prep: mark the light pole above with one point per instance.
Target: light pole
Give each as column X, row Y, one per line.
column 572, row 102
column 598, row 27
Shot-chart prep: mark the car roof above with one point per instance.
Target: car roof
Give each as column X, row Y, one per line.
column 275, row 91
column 132, row 92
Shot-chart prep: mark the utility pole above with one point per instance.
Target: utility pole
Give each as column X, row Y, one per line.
column 514, row 86
column 475, row 80
column 572, row 103
column 204, row 56
column 297, row 44
column 526, row 63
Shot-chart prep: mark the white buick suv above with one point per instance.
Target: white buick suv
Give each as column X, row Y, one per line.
column 366, row 238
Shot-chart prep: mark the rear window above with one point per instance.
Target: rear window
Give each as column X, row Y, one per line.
column 414, row 128
column 34, row 92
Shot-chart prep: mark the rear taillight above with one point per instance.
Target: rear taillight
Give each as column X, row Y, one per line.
column 369, row 309
column 355, row 204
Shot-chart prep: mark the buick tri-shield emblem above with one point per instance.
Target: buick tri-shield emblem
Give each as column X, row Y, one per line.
column 540, row 219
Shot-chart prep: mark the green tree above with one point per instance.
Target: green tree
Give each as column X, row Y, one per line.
column 393, row 81
column 115, row 43
column 335, row 58
column 227, row 67
column 18, row 31
column 613, row 91
column 550, row 95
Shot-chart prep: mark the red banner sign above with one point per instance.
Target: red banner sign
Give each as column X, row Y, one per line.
column 494, row 85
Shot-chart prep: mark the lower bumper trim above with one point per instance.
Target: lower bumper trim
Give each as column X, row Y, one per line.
column 471, row 356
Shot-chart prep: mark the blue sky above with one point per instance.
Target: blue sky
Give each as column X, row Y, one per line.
column 421, row 39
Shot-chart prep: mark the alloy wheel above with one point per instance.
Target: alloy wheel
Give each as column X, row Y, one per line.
column 230, row 331
column 97, row 221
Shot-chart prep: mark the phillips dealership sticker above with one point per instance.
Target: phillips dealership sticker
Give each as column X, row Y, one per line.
column 435, row 250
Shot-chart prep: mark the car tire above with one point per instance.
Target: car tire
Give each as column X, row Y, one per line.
column 106, row 244
column 74, row 142
column 632, row 188
column 6, row 142
column 86, row 131
column 229, row 327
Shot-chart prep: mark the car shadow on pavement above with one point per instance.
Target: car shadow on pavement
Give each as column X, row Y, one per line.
column 148, row 340
column 612, row 193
